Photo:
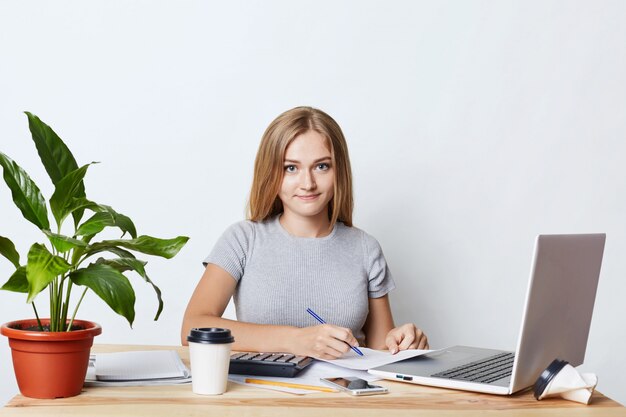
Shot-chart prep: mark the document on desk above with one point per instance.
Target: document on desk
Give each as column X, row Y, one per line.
column 157, row 367
column 373, row 358
column 310, row 376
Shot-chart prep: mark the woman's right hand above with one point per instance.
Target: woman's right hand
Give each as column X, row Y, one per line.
column 324, row 341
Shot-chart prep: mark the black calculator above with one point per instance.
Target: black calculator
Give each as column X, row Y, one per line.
column 268, row 364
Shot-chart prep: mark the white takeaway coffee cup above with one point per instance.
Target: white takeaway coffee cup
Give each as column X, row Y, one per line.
column 209, row 354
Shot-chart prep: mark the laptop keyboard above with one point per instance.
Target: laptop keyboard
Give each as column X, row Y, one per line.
column 485, row 370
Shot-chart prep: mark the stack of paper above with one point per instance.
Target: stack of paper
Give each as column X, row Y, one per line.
column 156, row 367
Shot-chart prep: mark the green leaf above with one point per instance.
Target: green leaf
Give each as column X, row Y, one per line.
column 166, row 248
column 77, row 214
column 125, row 264
column 82, row 203
column 54, row 154
column 64, row 243
column 77, row 207
column 107, row 217
column 128, row 264
column 126, row 224
column 26, row 194
column 17, row 282
column 122, row 253
column 42, row 268
column 122, row 221
column 110, row 285
column 95, row 224
column 7, row 249
column 65, row 191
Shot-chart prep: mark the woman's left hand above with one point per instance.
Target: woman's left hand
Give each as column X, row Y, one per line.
column 406, row 337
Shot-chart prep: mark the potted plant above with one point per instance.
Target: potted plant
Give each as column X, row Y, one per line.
column 51, row 355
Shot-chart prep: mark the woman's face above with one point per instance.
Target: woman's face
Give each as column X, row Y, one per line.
column 308, row 180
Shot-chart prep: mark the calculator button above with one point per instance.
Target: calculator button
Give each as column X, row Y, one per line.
column 237, row 355
column 274, row 357
column 285, row 358
column 297, row 359
column 248, row 356
column 262, row 356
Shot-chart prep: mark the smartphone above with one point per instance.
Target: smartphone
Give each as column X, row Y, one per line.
column 354, row 386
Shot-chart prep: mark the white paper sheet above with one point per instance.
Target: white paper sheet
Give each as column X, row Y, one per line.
column 309, row 376
column 135, row 368
column 373, row 358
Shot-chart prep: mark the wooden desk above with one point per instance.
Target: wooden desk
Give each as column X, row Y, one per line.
column 239, row 400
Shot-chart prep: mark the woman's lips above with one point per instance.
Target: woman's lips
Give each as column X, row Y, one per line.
column 308, row 197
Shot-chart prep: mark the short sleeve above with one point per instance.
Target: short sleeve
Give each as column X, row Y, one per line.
column 380, row 280
column 232, row 249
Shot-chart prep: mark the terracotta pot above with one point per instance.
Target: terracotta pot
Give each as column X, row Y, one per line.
column 50, row 364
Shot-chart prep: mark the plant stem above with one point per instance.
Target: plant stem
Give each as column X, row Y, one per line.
column 67, row 303
column 56, row 304
column 52, row 288
column 76, row 309
column 51, row 291
column 37, row 315
column 59, row 306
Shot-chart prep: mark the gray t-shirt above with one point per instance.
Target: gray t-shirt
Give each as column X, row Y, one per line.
column 279, row 275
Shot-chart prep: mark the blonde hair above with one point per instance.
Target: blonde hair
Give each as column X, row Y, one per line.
column 268, row 166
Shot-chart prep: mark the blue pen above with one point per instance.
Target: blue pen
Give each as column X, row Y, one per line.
column 321, row 320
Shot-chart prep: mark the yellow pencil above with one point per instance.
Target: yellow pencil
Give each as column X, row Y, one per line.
column 288, row 385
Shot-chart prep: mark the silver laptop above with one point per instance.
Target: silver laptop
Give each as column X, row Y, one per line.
column 557, row 316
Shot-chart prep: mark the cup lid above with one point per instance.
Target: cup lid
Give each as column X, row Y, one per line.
column 547, row 376
column 212, row 335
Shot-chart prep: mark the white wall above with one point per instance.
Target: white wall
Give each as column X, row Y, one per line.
column 472, row 125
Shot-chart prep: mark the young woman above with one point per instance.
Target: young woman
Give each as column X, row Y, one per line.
column 298, row 250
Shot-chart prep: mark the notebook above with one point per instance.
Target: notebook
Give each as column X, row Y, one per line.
column 154, row 367
column 555, row 324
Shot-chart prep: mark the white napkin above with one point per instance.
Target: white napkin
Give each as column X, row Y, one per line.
column 571, row 385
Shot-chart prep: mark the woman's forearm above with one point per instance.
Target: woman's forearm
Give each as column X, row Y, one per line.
column 248, row 336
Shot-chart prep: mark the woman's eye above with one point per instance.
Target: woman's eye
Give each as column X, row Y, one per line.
column 290, row 168
column 323, row 166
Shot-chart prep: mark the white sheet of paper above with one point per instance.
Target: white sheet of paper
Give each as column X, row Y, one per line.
column 372, row 358
column 137, row 368
column 238, row 379
column 310, row 376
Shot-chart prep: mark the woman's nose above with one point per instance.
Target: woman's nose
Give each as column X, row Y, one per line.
column 308, row 182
